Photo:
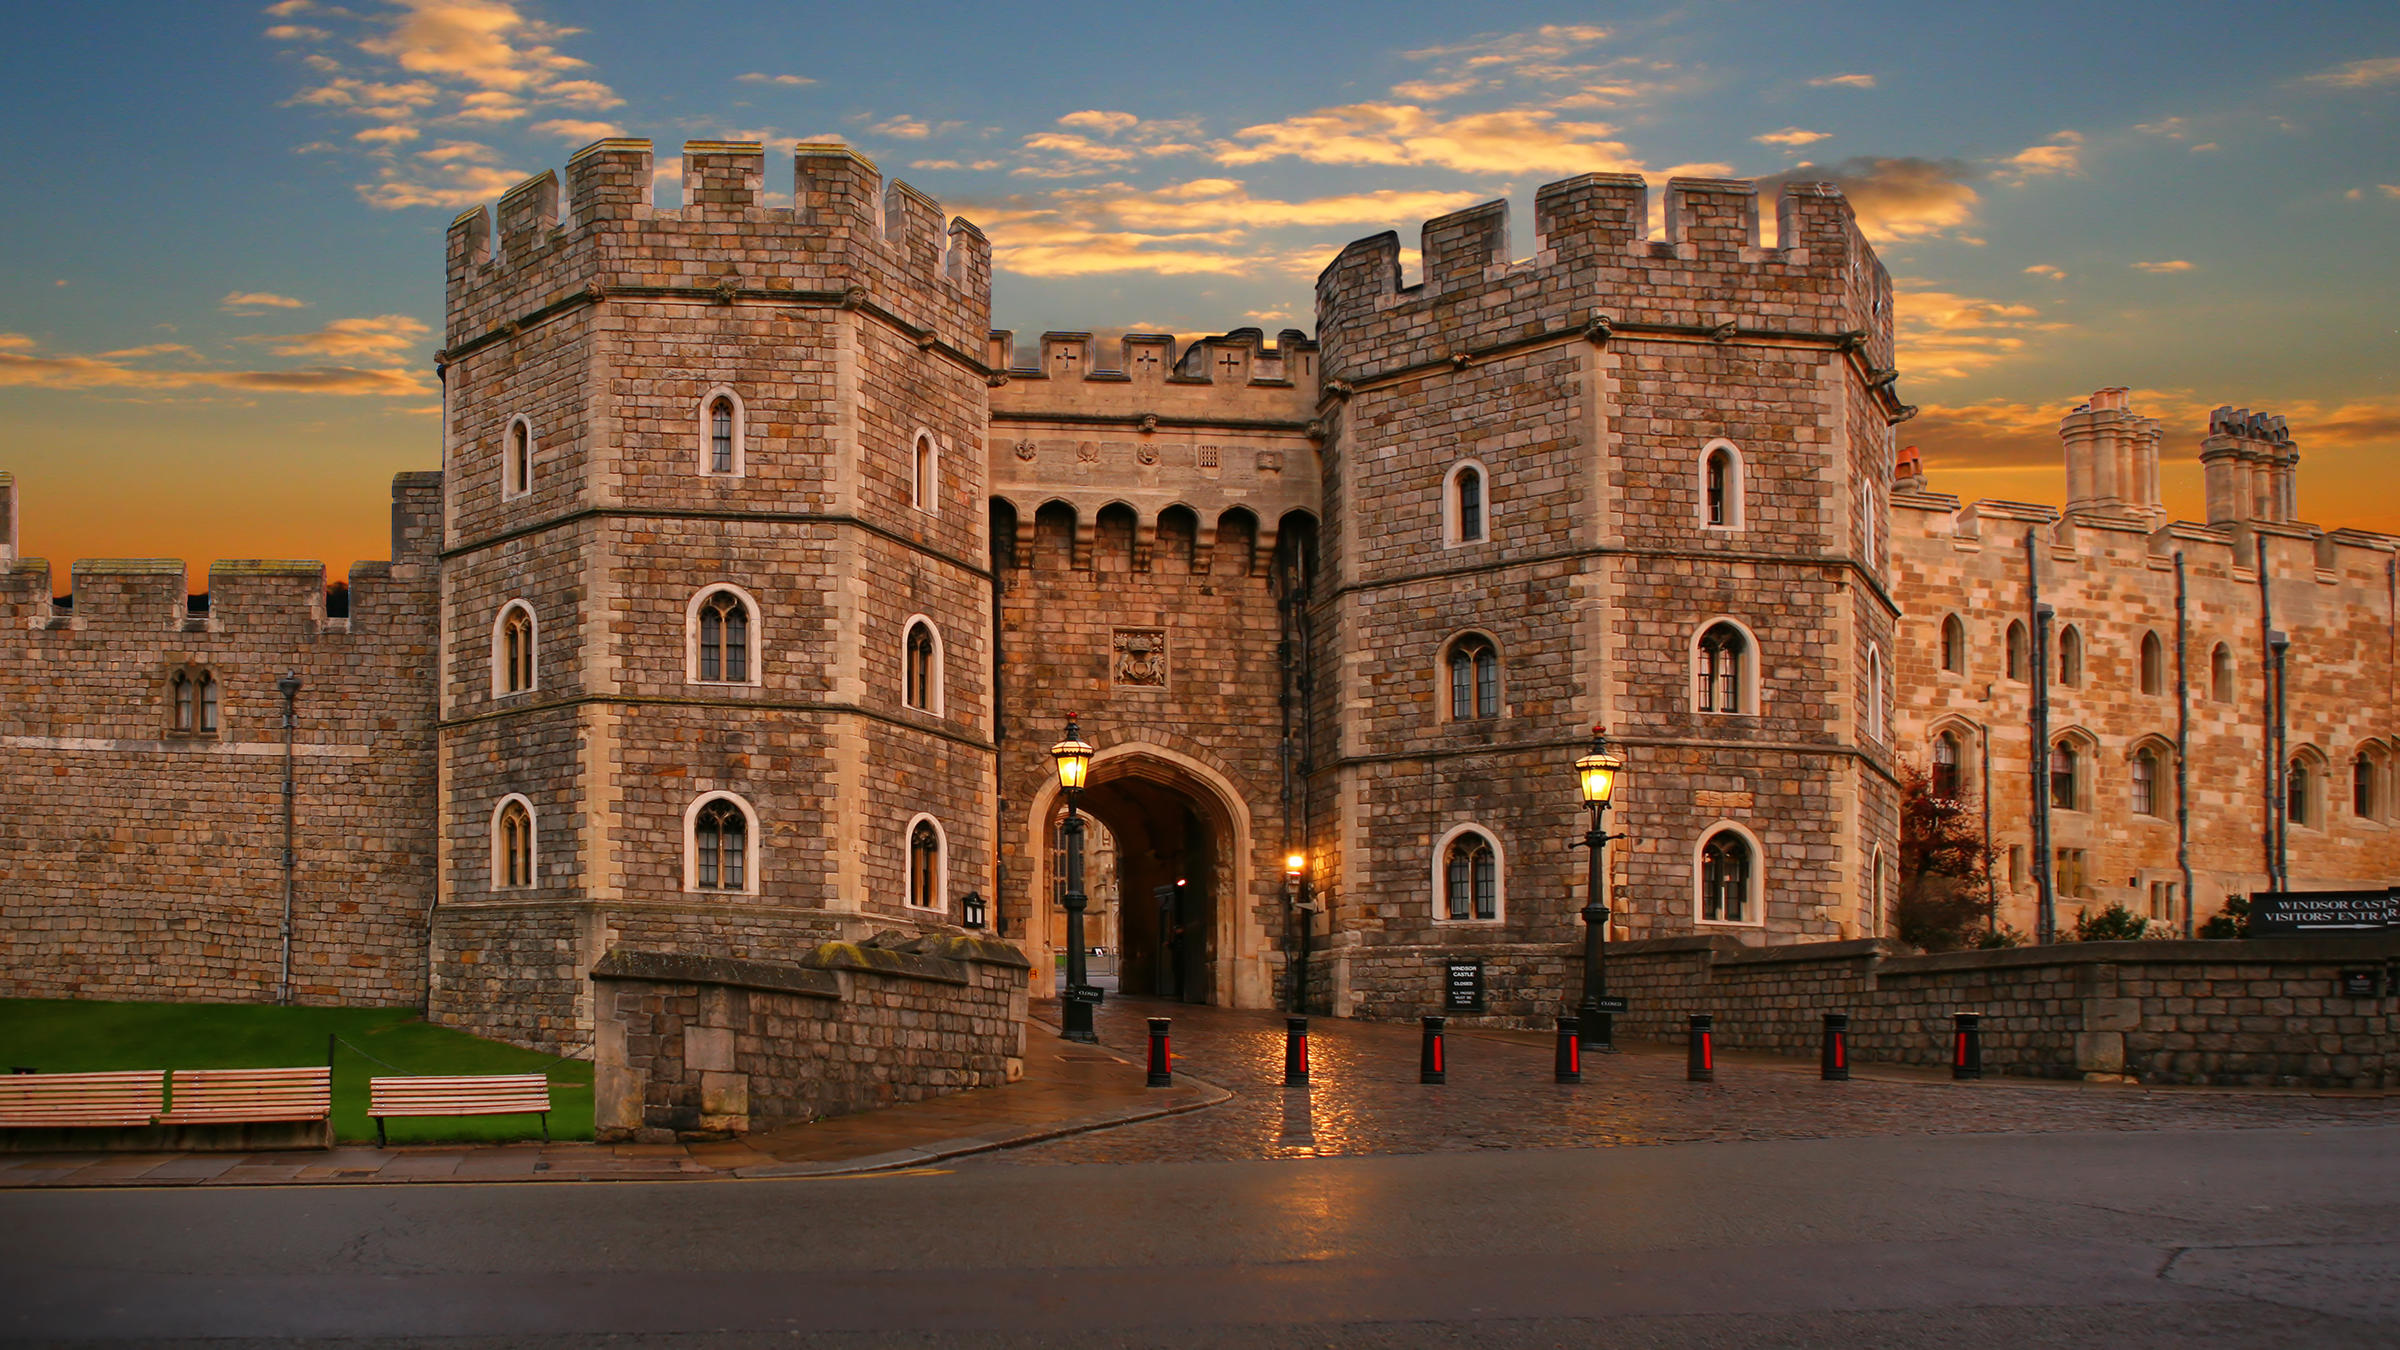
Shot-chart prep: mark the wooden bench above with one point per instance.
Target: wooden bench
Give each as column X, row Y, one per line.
column 38, row 1100
column 498, row 1094
column 240, row 1096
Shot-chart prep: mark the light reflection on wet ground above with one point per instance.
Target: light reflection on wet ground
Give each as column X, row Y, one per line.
column 1365, row 1098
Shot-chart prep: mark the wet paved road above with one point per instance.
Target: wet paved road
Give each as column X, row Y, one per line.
column 2266, row 1237
column 1365, row 1098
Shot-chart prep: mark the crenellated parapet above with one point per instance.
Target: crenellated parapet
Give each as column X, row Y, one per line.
column 846, row 239
column 1221, row 429
column 140, row 598
column 1594, row 268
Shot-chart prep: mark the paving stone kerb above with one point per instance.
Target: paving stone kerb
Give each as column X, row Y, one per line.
column 2255, row 1013
column 696, row 1046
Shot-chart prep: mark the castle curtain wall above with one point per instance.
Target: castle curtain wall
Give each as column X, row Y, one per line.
column 140, row 860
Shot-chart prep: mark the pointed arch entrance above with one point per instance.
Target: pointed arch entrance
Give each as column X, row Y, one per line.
column 1187, row 924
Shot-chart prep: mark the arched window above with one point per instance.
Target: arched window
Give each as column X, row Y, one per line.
column 1474, row 666
column 2220, row 674
column 1727, row 878
column 1470, row 877
column 512, row 844
column 2066, row 777
column 192, row 701
column 1463, row 505
column 1721, row 487
column 2366, row 785
column 1945, row 766
column 719, row 843
column 2300, row 792
column 2154, row 664
column 516, row 469
column 921, row 660
column 1722, row 672
column 2145, row 782
column 924, row 473
column 926, row 885
column 2017, row 662
column 724, row 638
column 1875, row 713
column 1954, row 645
column 720, row 435
column 513, row 650
column 2070, row 655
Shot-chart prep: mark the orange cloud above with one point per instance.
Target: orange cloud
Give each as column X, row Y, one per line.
column 1896, row 199
column 1843, row 82
column 1529, row 140
column 24, row 366
column 1793, row 136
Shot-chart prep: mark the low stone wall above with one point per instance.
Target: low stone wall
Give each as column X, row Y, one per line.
column 699, row 1046
column 2258, row 1013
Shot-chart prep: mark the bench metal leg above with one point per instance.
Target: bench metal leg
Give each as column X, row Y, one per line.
column 545, row 1127
column 379, row 1132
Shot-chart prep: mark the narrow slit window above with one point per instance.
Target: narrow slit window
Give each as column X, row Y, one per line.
column 720, row 435
column 1470, row 505
column 924, row 866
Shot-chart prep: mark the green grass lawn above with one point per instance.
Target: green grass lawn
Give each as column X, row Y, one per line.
column 69, row 1035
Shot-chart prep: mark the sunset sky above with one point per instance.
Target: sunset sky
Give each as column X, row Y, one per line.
column 222, row 279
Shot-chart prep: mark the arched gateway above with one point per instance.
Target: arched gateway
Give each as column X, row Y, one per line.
column 1191, row 889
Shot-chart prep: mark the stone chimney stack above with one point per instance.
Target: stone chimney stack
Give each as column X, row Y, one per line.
column 2252, row 468
column 2112, row 457
column 8, row 521
column 1908, row 471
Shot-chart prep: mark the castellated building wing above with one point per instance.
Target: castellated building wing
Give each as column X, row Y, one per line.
column 761, row 573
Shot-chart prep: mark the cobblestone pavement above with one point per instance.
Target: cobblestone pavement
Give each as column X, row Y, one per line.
column 1365, row 1097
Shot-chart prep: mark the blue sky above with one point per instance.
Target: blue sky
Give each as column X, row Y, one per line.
column 223, row 281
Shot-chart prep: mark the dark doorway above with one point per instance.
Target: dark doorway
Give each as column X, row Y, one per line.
column 1167, row 861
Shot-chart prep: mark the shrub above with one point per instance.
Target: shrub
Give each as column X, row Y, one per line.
column 2113, row 924
column 2233, row 921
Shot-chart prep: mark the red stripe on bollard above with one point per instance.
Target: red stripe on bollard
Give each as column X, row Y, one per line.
column 1162, row 1054
column 1429, row 1057
column 1568, row 1067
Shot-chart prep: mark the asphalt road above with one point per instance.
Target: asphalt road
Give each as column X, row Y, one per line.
column 2253, row 1237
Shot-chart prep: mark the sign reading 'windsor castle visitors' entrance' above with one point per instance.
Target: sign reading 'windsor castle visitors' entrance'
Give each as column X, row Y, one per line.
column 2302, row 913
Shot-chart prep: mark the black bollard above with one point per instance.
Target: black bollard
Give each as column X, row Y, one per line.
column 1430, row 1065
column 1834, row 1064
column 1966, row 1047
column 1295, row 1052
column 1569, row 1068
column 1703, row 1064
column 1162, row 1056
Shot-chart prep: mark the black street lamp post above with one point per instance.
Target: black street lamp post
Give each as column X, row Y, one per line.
column 1296, row 897
column 1597, row 773
column 1074, row 758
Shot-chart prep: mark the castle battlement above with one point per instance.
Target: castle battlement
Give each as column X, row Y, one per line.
column 137, row 595
column 1241, row 358
column 1709, row 277
column 847, row 238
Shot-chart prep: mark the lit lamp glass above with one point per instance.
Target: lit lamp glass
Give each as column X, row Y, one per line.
column 1598, row 771
column 1294, row 865
column 1074, row 756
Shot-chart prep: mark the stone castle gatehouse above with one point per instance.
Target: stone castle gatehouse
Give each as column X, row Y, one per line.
column 760, row 574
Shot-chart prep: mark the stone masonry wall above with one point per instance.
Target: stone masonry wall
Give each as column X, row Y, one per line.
column 2113, row 581
column 141, row 862
column 2257, row 1013
column 697, row 1046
